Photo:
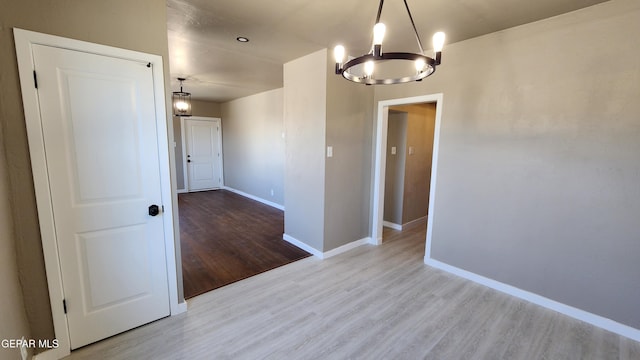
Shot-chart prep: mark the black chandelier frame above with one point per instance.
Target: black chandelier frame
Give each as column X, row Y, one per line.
column 376, row 55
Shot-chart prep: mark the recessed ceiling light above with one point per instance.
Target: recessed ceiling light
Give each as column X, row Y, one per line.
column 242, row 39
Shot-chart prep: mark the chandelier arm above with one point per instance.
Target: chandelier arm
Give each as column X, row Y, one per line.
column 415, row 31
column 379, row 11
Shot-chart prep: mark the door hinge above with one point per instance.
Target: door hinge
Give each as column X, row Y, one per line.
column 64, row 305
column 35, row 79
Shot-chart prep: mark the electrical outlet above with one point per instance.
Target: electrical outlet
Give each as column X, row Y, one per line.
column 271, row 192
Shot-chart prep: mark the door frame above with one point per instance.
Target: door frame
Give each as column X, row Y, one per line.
column 24, row 40
column 183, row 137
column 382, row 124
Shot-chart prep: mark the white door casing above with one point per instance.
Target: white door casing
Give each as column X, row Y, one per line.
column 380, row 156
column 97, row 130
column 202, row 142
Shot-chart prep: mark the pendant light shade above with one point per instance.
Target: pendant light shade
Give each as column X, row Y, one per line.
column 181, row 101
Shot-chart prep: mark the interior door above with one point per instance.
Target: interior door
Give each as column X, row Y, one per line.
column 204, row 168
column 98, row 123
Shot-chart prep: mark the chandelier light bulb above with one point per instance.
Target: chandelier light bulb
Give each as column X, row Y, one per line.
column 360, row 69
column 338, row 54
column 368, row 68
column 182, row 106
column 378, row 33
column 438, row 41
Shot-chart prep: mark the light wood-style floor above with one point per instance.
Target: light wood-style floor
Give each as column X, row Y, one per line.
column 370, row 303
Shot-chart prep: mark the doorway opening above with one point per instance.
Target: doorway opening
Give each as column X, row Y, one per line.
column 406, row 155
column 226, row 235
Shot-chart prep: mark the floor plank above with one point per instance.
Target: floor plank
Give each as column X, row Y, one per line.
column 226, row 237
column 373, row 302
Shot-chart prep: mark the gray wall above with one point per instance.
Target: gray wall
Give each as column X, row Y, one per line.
column 326, row 199
column 198, row 108
column 14, row 323
column 538, row 161
column 253, row 145
column 104, row 22
column 394, row 169
column 417, row 171
column 305, row 123
column 348, row 173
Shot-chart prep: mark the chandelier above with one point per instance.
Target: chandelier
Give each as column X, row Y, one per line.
column 181, row 101
column 364, row 69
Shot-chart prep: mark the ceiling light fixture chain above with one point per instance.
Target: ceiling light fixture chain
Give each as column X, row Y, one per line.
column 362, row 68
column 415, row 30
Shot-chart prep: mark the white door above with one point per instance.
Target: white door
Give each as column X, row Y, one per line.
column 99, row 129
column 204, row 154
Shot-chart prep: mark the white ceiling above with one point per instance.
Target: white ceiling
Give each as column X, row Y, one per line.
column 203, row 48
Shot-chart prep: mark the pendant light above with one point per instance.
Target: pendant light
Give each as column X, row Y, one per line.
column 181, row 101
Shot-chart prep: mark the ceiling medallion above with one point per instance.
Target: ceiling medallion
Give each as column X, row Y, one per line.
column 362, row 69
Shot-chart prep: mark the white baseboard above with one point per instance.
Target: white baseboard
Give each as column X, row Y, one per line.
column 52, row 354
column 418, row 221
column 180, row 308
column 325, row 255
column 391, row 225
column 252, row 197
column 346, row 247
column 301, row 245
column 181, row 191
column 593, row 319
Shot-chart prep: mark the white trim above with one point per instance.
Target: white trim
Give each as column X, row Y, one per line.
column 327, row 254
column 571, row 311
column 301, row 245
column 24, row 40
column 181, row 308
column 346, row 247
column 185, row 176
column 382, row 123
column 391, row 225
column 184, row 151
column 253, row 197
column 420, row 220
column 51, row 354
column 181, row 191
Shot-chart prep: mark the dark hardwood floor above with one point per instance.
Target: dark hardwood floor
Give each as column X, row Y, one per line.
column 226, row 237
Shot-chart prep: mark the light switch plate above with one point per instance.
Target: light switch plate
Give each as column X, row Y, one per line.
column 411, row 150
column 393, row 150
column 329, row 151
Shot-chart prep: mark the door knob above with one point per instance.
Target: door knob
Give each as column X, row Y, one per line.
column 154, row 210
